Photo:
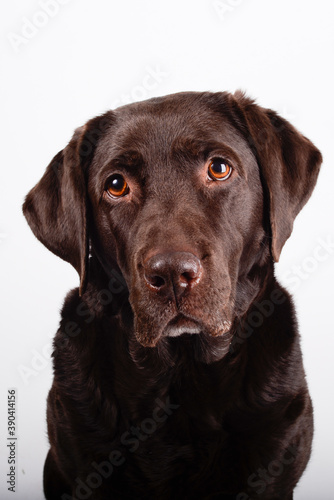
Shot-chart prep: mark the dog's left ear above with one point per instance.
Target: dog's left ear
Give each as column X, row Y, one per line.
column 56, row 208
column 289, row 164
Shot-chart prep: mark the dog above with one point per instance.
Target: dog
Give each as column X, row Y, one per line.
column 178, row 372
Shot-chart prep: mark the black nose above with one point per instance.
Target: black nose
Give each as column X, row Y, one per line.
column 172, row 273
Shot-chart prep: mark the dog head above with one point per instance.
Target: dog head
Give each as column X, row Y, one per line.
column 191, row 195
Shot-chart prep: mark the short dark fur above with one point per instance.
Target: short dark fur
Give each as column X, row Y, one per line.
column 177, row 367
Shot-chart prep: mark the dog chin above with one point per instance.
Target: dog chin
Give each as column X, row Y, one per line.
column 175, row 328
column 183, row 326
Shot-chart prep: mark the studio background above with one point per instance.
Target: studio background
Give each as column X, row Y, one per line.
column 65, row 61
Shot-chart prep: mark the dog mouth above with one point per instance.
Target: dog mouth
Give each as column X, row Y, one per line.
column 152, row 323
column 180, row 325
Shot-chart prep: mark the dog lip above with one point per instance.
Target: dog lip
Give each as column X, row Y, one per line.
column 179, row 325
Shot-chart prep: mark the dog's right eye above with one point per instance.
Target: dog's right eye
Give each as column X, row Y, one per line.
column 117, row 186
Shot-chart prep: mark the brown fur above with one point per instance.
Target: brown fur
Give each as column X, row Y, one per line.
column 177, row 366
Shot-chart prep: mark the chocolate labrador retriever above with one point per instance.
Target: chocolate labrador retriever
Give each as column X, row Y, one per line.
column 178, row 372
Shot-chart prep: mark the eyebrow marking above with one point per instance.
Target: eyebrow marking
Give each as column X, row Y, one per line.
column 189, row 149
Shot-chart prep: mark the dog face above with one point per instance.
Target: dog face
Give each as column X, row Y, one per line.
column 177, row 201
column 189, row 194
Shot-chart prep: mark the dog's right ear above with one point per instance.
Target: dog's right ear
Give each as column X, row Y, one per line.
column 56, row 207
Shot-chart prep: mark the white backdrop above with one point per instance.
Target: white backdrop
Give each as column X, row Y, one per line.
column 65, row 61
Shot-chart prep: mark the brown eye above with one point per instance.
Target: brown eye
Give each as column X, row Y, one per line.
column 219, row 169
column 117, row 186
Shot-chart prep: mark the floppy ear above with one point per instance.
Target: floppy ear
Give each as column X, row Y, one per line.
column 289, row 164
column 56, row 207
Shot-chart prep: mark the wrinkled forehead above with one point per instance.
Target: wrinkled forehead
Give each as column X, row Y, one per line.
column 148, row 132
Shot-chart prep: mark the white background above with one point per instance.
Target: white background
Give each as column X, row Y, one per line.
column 86, row 58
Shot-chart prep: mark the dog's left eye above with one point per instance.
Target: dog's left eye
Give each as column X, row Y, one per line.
column 117, row 186
column 219, row 169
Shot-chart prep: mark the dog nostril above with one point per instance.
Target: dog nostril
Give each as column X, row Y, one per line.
column 155, row 281
column 188, row 277
column 172, row 272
